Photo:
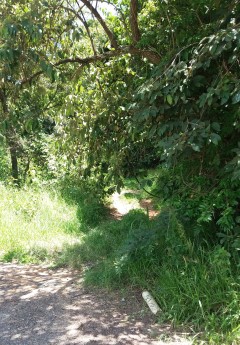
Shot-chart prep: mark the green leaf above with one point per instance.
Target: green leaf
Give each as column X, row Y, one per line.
column 162, row 129
column 153, row 111
column 202, row 100
column 144, row 113
column 237, row 219
column 195, row 147
column 29, row 125
column 215, row 138
column 216, row 126
column 213, row 48
column 152, row 131
column 169, row 99
column 236, row 98
column 199, row 80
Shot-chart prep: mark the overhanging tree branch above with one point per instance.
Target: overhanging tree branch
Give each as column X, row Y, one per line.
column 97, row 15
column 148, row 54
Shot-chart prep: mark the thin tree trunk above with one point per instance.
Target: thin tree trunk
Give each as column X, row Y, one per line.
column 10, row 135
column 136, row 35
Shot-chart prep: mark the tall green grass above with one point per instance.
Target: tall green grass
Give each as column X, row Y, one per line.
column 35, row 224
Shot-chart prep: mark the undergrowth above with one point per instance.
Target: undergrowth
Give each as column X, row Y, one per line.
column 90, row 204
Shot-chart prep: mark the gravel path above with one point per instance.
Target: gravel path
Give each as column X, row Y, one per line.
column 39, row 306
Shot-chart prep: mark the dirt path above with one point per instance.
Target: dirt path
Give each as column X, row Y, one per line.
column 39, row 306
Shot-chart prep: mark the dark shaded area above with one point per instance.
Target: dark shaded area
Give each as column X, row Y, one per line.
column 91, row 210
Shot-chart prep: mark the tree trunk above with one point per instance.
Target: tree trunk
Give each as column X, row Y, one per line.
column 10, row 138
column 136, row 35
column 14, row 163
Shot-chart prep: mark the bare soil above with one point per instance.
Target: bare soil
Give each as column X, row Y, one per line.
column 40, row 306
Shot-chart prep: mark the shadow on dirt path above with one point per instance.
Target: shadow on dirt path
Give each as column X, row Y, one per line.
column 39, row 306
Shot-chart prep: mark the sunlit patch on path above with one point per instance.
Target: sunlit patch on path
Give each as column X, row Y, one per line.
column 39, row 306
column 121, row 205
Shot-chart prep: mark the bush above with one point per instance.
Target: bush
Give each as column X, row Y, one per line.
column 210, row 213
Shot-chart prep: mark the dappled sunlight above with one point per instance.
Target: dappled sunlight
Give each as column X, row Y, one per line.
column 121, row 204
column 43, row 306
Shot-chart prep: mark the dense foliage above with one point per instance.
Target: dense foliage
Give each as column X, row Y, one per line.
column 191, row 111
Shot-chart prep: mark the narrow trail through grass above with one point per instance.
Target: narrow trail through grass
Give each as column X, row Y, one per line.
column 136, row 248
